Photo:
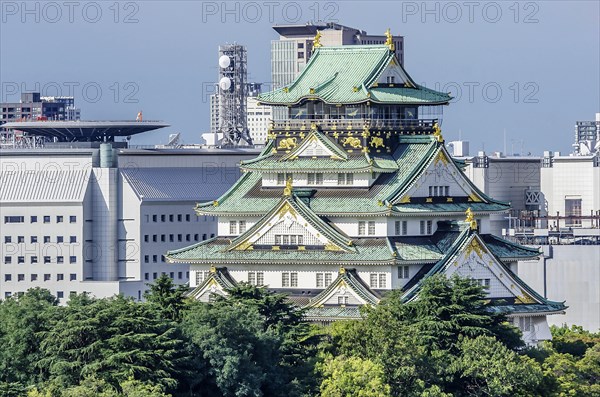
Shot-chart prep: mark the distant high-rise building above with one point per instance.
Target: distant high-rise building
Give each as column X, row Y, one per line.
column 294, row 48
column 292, row 51
column 587, row 137
column 259, row 118
column 33, row 106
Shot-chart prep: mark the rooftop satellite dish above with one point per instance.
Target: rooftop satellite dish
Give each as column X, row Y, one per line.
column 224, row 61
column 225, row 83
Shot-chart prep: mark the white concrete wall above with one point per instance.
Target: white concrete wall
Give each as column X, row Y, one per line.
column 568, row 273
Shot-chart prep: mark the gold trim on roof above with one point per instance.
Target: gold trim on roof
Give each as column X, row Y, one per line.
column 317, row 40
column 389, row 42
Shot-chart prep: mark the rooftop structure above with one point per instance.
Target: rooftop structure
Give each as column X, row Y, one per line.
column 587, row 137
column 82, row 131
column 99, row 220
column 355, row 195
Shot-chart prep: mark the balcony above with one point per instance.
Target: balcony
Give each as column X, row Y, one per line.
column 407, row 126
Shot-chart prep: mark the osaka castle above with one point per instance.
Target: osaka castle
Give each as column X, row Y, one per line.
column 355, row 195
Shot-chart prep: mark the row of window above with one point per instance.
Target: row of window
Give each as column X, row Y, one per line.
column 34, row 219
column 34, row 259
column 46, row 277
column 289, row 239
column 317, row 179
column 174, row 218
column 323, row 280
column 59, row 294
column 235, row 226
column 172, row 237
column 34, row 239
column 171, row 274
column 366, row 228
column 439, row 191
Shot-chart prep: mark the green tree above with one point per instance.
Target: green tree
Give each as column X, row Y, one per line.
column 486, row 367
column 352, row 377
column 112, row 339
column 168, row 297
column 21, row 320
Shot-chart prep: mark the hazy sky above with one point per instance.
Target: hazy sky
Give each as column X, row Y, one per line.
column 530, row 68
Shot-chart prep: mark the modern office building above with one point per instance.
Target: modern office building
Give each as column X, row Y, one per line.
column 33, row 106
column 356, row 195
column 587, row 137
column 291, row 52
column 259, row 120
column 98, row 219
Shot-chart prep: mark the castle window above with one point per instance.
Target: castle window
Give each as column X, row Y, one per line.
column 401, row 228
column 232, row 227
column 289, row 279
column 256, row 278
column 403, row 272
column 371, row 230
column 323, row 280
column 439, row 191
column 282, row 177
column 361, row 228
column 315, row 179
column 242, row 225
column 342, row 300
column 345, row 179
column 426, row 227
column 201, row 276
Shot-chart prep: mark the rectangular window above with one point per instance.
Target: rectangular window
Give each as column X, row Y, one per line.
column 371, row 228
column 285, row 240
column 403, row 272
column 20, row 239
column 154, row 276
column 345, row 179
column 285, row 279
column 146, row 258
column 34, row 239
column 573, row 209
column 361, row 228
column 46, row 239
column 46, row 259
column 146, row 276
column 72, row 277
column 21, row 259
column 47, row 277
column 20, row 277
column 60, row 239
column 8, row 277
column 429, row 227
column 163, row 238
column 60, row 259
column 525, row 324
column 46, row 218
column 242, row 225
column 422, row 227
column 72, row 239
column 8, row 260
column 342, row 300
column 404, row 228
column 180, row 275
column 281, row 178
column 327, row 279
column 59, row 219
column 34, row 259
column 60, row 277
column 33, row 219
column 34, row 277
column 260, row 278
column 14, row 219
column 7, row 239
column 72, row 219
column 320, row 280
column 294, row 279
column 72, row 259
column 373, row 280
column 154, row 258
column 382, row 280
column 154, row 218
column 179, row 217
column 60, row 294
column 187, row 217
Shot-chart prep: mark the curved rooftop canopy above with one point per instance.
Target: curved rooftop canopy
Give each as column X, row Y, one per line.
column 84, row 131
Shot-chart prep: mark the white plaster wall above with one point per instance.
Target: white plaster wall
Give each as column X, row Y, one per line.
column 329, row 180
column 572, row 274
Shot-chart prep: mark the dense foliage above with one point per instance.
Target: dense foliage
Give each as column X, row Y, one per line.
column 254, row 343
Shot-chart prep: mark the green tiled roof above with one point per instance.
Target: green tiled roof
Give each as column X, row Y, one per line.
column 346, row 74
column 332, row 313
column 373, row 251
column 220, row 275
column 354, row 282
column 357, row 163
column 247, row 196
column 542, row 306
column 342, row 241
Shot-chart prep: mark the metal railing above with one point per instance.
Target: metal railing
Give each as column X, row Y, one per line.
column 328, row 124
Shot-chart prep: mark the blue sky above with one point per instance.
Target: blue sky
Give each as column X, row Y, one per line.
column 528, row 68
